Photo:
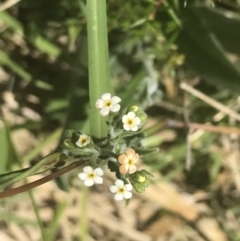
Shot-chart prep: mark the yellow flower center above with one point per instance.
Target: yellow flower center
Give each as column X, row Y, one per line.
column 130, row 162
column 91, row 175
column 108, row 103
column 121, row 190
column 84, row 140
column 130, row 122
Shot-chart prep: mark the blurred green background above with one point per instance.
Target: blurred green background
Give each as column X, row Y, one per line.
column 154, row 46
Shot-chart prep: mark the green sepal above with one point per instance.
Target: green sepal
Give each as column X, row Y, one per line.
column 140, row 180
column 69, row 139
column 68, row 143
column 134, row 108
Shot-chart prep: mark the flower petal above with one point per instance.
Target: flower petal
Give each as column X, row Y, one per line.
column 123, row 158
column 106, row 96
column 104, row 111
column 116, row 99
column 98, row 180
column 123, row 169
column 126, row 127
column 78, row 144
column 119, row 183
column 136, row 157
column 118, row 197
column 132, row 169
column 89, row 182
column 82, row 176
column 98, row 171
column 127, row 195
column 99, row 104
column 113, row 189
column 137, row 121
column 130, row 153
column 129, row 187
column 87, row 169
column 115, row 108
column 124, row 119
column 134, row 128
column 131, row 115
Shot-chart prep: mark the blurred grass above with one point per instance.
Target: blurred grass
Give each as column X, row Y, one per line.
column 44, row 63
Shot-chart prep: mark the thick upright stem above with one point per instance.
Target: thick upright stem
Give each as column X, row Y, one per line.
column 98, row 62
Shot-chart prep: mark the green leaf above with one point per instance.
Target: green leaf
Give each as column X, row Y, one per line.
column 205, row 53
column 6, row 61
column 53, row 226
column 11, row 22
column 4, row 147
column 63, row 183
column 44, row 165
column 8, row 155
column 113, row 167
column 225, row 25
column 146, row 151
column 129, row 133
column 45, row 46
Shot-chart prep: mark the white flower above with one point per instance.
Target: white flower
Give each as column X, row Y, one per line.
column 108, row 103
column 90, row 176
column 83, row 140
column 131, row 122
column 122, row 190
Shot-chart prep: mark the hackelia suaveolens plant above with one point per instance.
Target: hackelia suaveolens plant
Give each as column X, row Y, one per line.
column 83, row 140
column 123, row 191
column 90, row 176
column 128, row 162
column 131, row 122
column 107, row 104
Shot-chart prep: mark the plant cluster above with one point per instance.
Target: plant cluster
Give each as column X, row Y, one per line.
column 120, row 150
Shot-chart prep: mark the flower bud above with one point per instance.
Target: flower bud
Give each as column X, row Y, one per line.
column 140, row 180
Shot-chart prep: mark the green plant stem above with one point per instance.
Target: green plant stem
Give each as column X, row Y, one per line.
column 31, row 196
column 15, row 176
column 84, row 221
column 41, row 181
column 40, row 224
column 53, row 228
column 98, row 63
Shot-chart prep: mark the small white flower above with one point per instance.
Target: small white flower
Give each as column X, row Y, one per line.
column 122, row 190
column 131, row 122
column 90, row 176
column 83, row 140
column 107, row 104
